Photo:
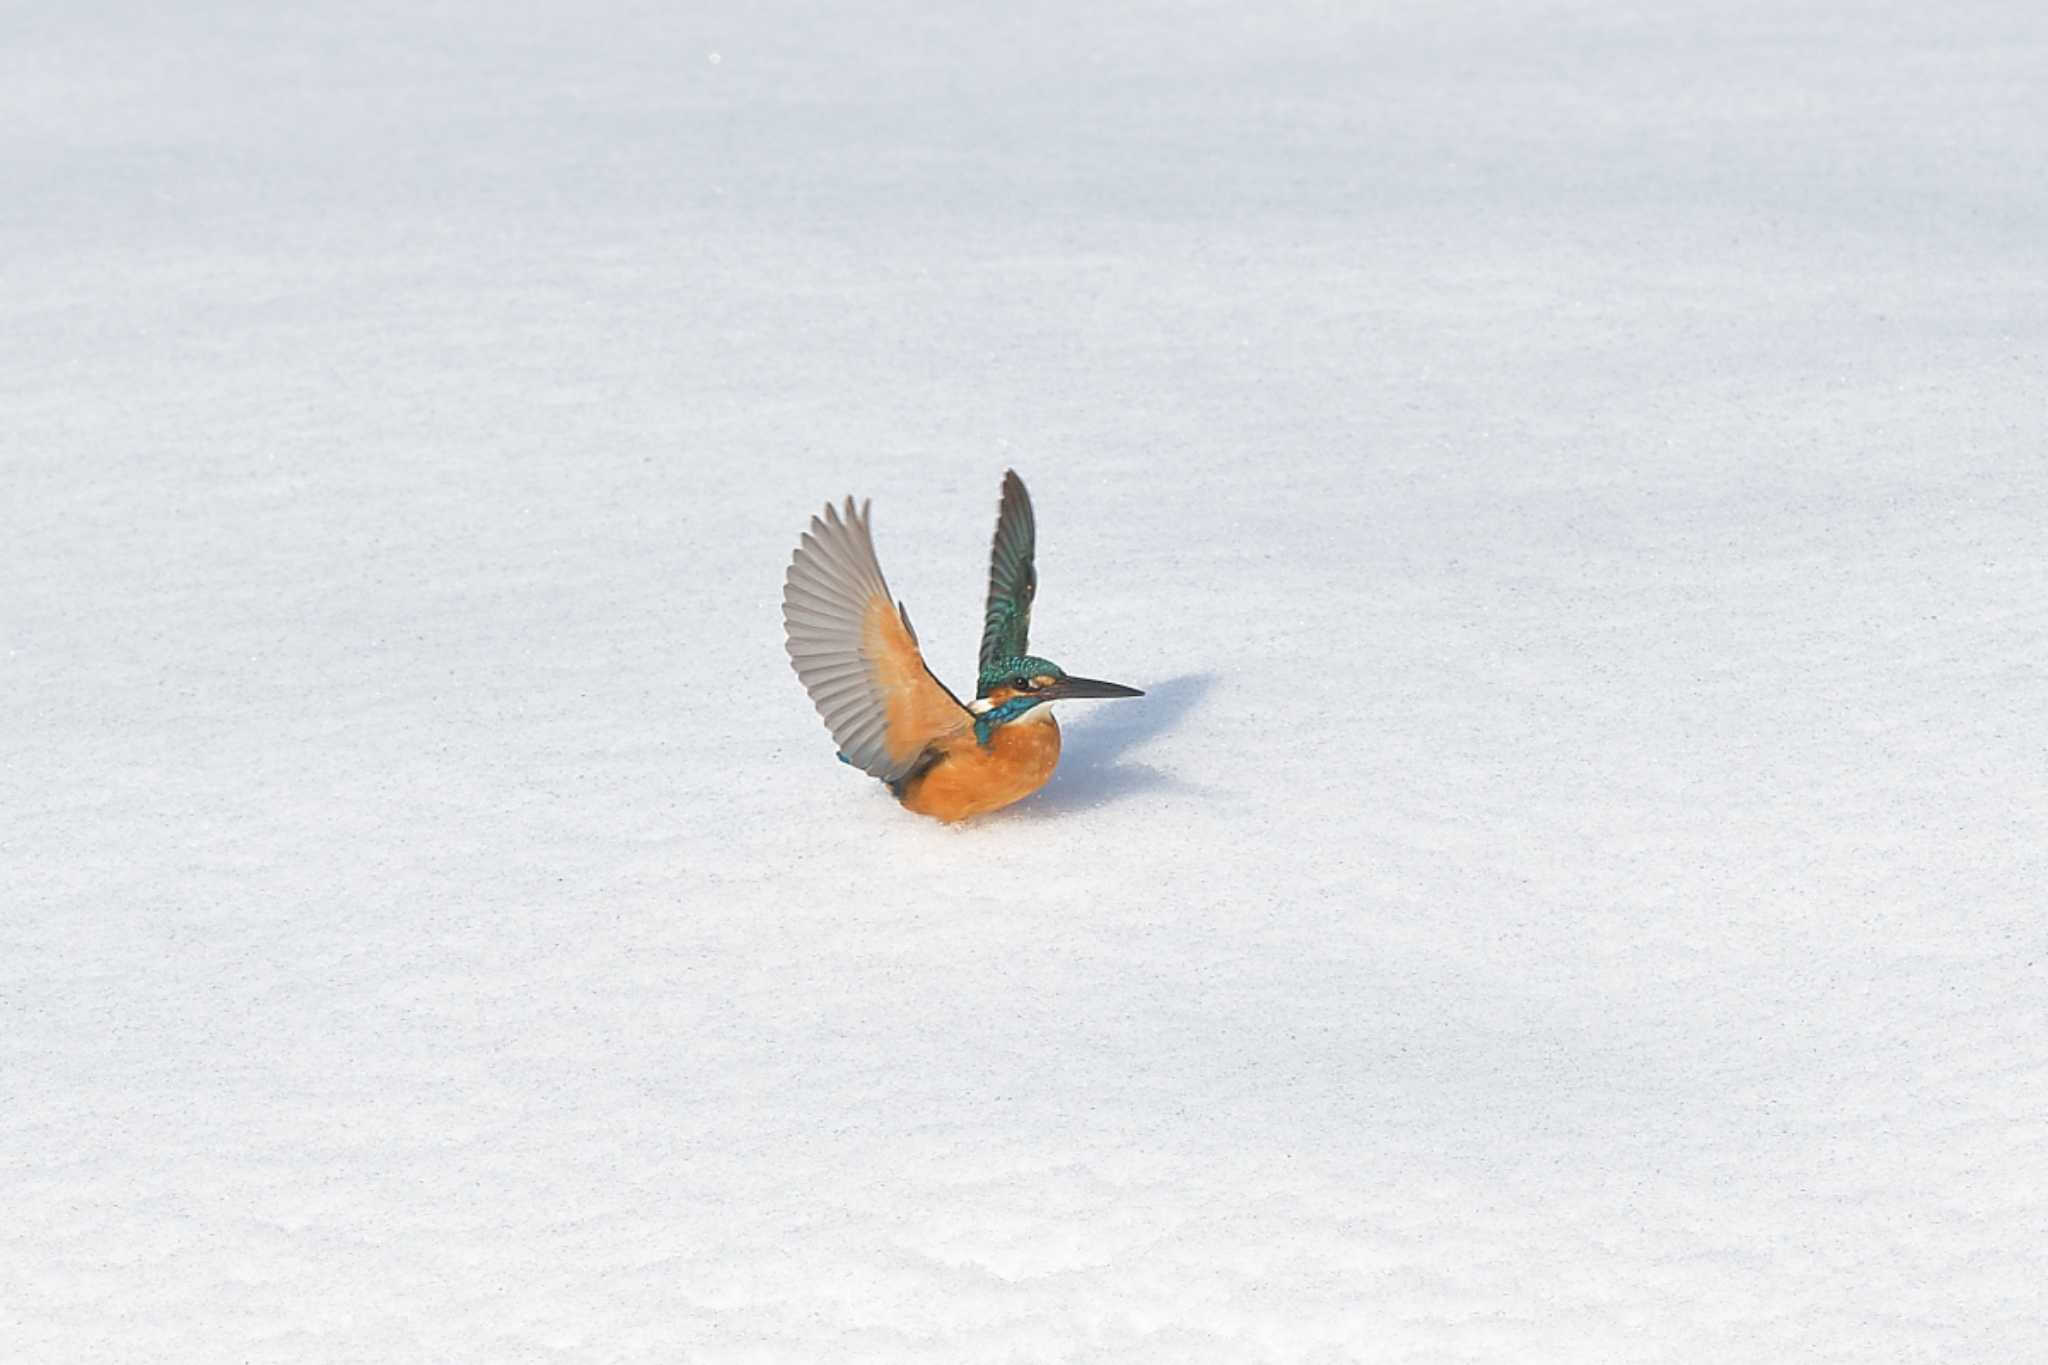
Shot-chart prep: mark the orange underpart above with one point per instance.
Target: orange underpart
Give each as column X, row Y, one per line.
column 970, row 779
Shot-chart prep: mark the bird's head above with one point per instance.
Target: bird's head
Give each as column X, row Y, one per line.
column 1012, row 688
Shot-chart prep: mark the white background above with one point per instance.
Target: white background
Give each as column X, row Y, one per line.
column 1570, row 477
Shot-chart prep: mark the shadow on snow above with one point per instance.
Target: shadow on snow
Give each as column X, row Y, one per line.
column 1091, row 771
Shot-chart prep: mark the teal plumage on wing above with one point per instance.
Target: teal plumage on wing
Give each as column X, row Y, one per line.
column 1012, row 583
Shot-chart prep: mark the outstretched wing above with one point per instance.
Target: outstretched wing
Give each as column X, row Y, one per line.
column 1012, row 576
column 853, row 649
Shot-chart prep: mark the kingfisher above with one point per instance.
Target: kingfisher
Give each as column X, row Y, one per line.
column 855, row 652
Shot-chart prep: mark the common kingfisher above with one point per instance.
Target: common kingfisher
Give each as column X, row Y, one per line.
column 855, row 652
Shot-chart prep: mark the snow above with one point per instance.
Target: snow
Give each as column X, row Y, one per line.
column 1569, row 477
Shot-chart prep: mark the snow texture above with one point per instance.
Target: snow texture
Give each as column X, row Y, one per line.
column 1570, row 477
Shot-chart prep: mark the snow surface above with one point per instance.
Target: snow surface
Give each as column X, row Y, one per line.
column 1570, row 475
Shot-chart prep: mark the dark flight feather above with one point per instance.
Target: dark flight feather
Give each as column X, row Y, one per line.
column 1012, row 580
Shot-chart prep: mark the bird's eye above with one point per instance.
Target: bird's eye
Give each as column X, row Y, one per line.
column 1021, row 683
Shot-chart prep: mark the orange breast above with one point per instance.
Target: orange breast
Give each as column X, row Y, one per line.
column 971, row 780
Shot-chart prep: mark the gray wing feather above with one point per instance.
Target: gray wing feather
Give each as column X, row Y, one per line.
column 832, row 579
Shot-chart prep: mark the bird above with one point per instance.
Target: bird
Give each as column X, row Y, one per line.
column 857, row 655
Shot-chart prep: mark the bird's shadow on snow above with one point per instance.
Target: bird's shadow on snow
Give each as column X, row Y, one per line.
column 1092, row 769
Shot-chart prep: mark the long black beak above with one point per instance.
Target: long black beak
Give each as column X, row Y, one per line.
column 1072, row 688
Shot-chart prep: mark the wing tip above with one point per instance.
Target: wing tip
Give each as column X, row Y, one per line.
column 1016, row 506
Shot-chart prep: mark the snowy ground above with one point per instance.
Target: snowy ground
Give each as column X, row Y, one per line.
column 1571, row 477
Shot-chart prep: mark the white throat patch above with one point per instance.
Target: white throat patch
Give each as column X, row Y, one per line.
column 981, row 706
